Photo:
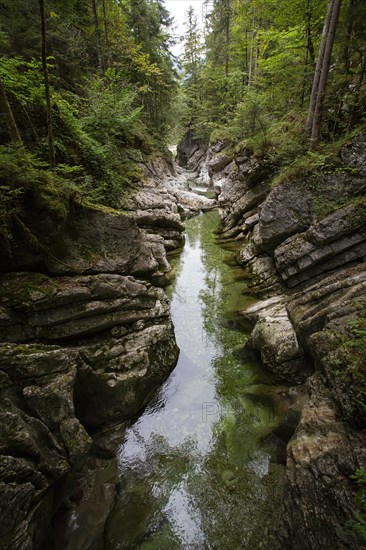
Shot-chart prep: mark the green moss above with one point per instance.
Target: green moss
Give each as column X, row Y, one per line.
column 326, row 159
column 28, row 350
column 349, row 367
column 19, row 290
column 102, row 208
column 356, row 528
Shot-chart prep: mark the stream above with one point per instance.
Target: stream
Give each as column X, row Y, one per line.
column 196, row 470
column 193, row 472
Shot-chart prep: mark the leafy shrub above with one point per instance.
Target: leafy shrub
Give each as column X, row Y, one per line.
column 356, row 528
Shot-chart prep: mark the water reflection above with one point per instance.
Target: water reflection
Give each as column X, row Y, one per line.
column 193, row 464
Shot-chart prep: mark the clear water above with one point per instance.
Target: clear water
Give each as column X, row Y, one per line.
column 193, row 471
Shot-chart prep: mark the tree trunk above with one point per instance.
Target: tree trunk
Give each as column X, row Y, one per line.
column 227, row 38
column 97, row 39
column 7, row 115
column 309, row 52
column 106, row 33
column 251, row 58
column 353, row 116
column 51, row 149
column 318, row 68
column 318, row 112
column 346, row 51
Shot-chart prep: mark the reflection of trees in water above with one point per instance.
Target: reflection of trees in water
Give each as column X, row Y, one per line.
column 144, row 508
column 175, row 491
column 249, row 415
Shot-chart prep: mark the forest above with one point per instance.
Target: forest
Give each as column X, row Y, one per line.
column 83, row 85
column 94, row 215
column 88, row 89
column 252, row 78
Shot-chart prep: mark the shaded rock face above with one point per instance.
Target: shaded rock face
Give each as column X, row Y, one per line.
column 115, row 346
column 218, row 163
column 315, row 267
column 319, row 497
column 286, row 211
column 83, row 347
column 276, row 340
column 241, row 191
column 321, row 316
column 89, row 241
column 336, row 240
column 186, row 149
column 40, row 437
column 94, row 241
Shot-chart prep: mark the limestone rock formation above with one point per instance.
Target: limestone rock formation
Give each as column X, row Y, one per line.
column 78, row 354
column 84, row 344
column 319, row 496
column 276, row 340
column 304, row 245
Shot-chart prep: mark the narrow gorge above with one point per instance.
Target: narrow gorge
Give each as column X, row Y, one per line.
column 182, row 275
column 253, row 422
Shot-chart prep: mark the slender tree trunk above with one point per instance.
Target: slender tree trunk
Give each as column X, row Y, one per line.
column 309, row 51
column 251, row 58
column 97, row 39
column 346, row 51
column 51, row 149
column 246, row 68
column 7, row 115
column 318, row 112
column 318, row 68
column 353, row 115
column 227, row 38
column 106, row 32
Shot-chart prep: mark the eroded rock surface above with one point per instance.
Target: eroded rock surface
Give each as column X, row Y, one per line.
column 161, row 204
column 336, row 240
column 84, row 344
column 319, row 496
column 314, row 264
column 115, row 346
column 276, row 340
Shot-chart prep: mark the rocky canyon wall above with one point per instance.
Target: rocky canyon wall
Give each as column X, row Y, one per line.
column 304, row 246
column 86, row 339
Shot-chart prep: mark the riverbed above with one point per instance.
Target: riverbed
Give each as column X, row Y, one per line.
column 194, row 471
column 197, row 469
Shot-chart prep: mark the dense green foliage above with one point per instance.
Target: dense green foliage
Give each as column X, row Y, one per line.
column 357, row 527
column 252, row 81
column 350, row 372
column 112, row 81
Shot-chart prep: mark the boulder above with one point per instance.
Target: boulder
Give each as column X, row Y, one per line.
column 119, row 373
column 218, row 163
column 99, row 241
column 285, row 212
column 275, row 338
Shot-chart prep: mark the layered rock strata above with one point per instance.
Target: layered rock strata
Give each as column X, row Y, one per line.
column 310, row 269
column 85, row 341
